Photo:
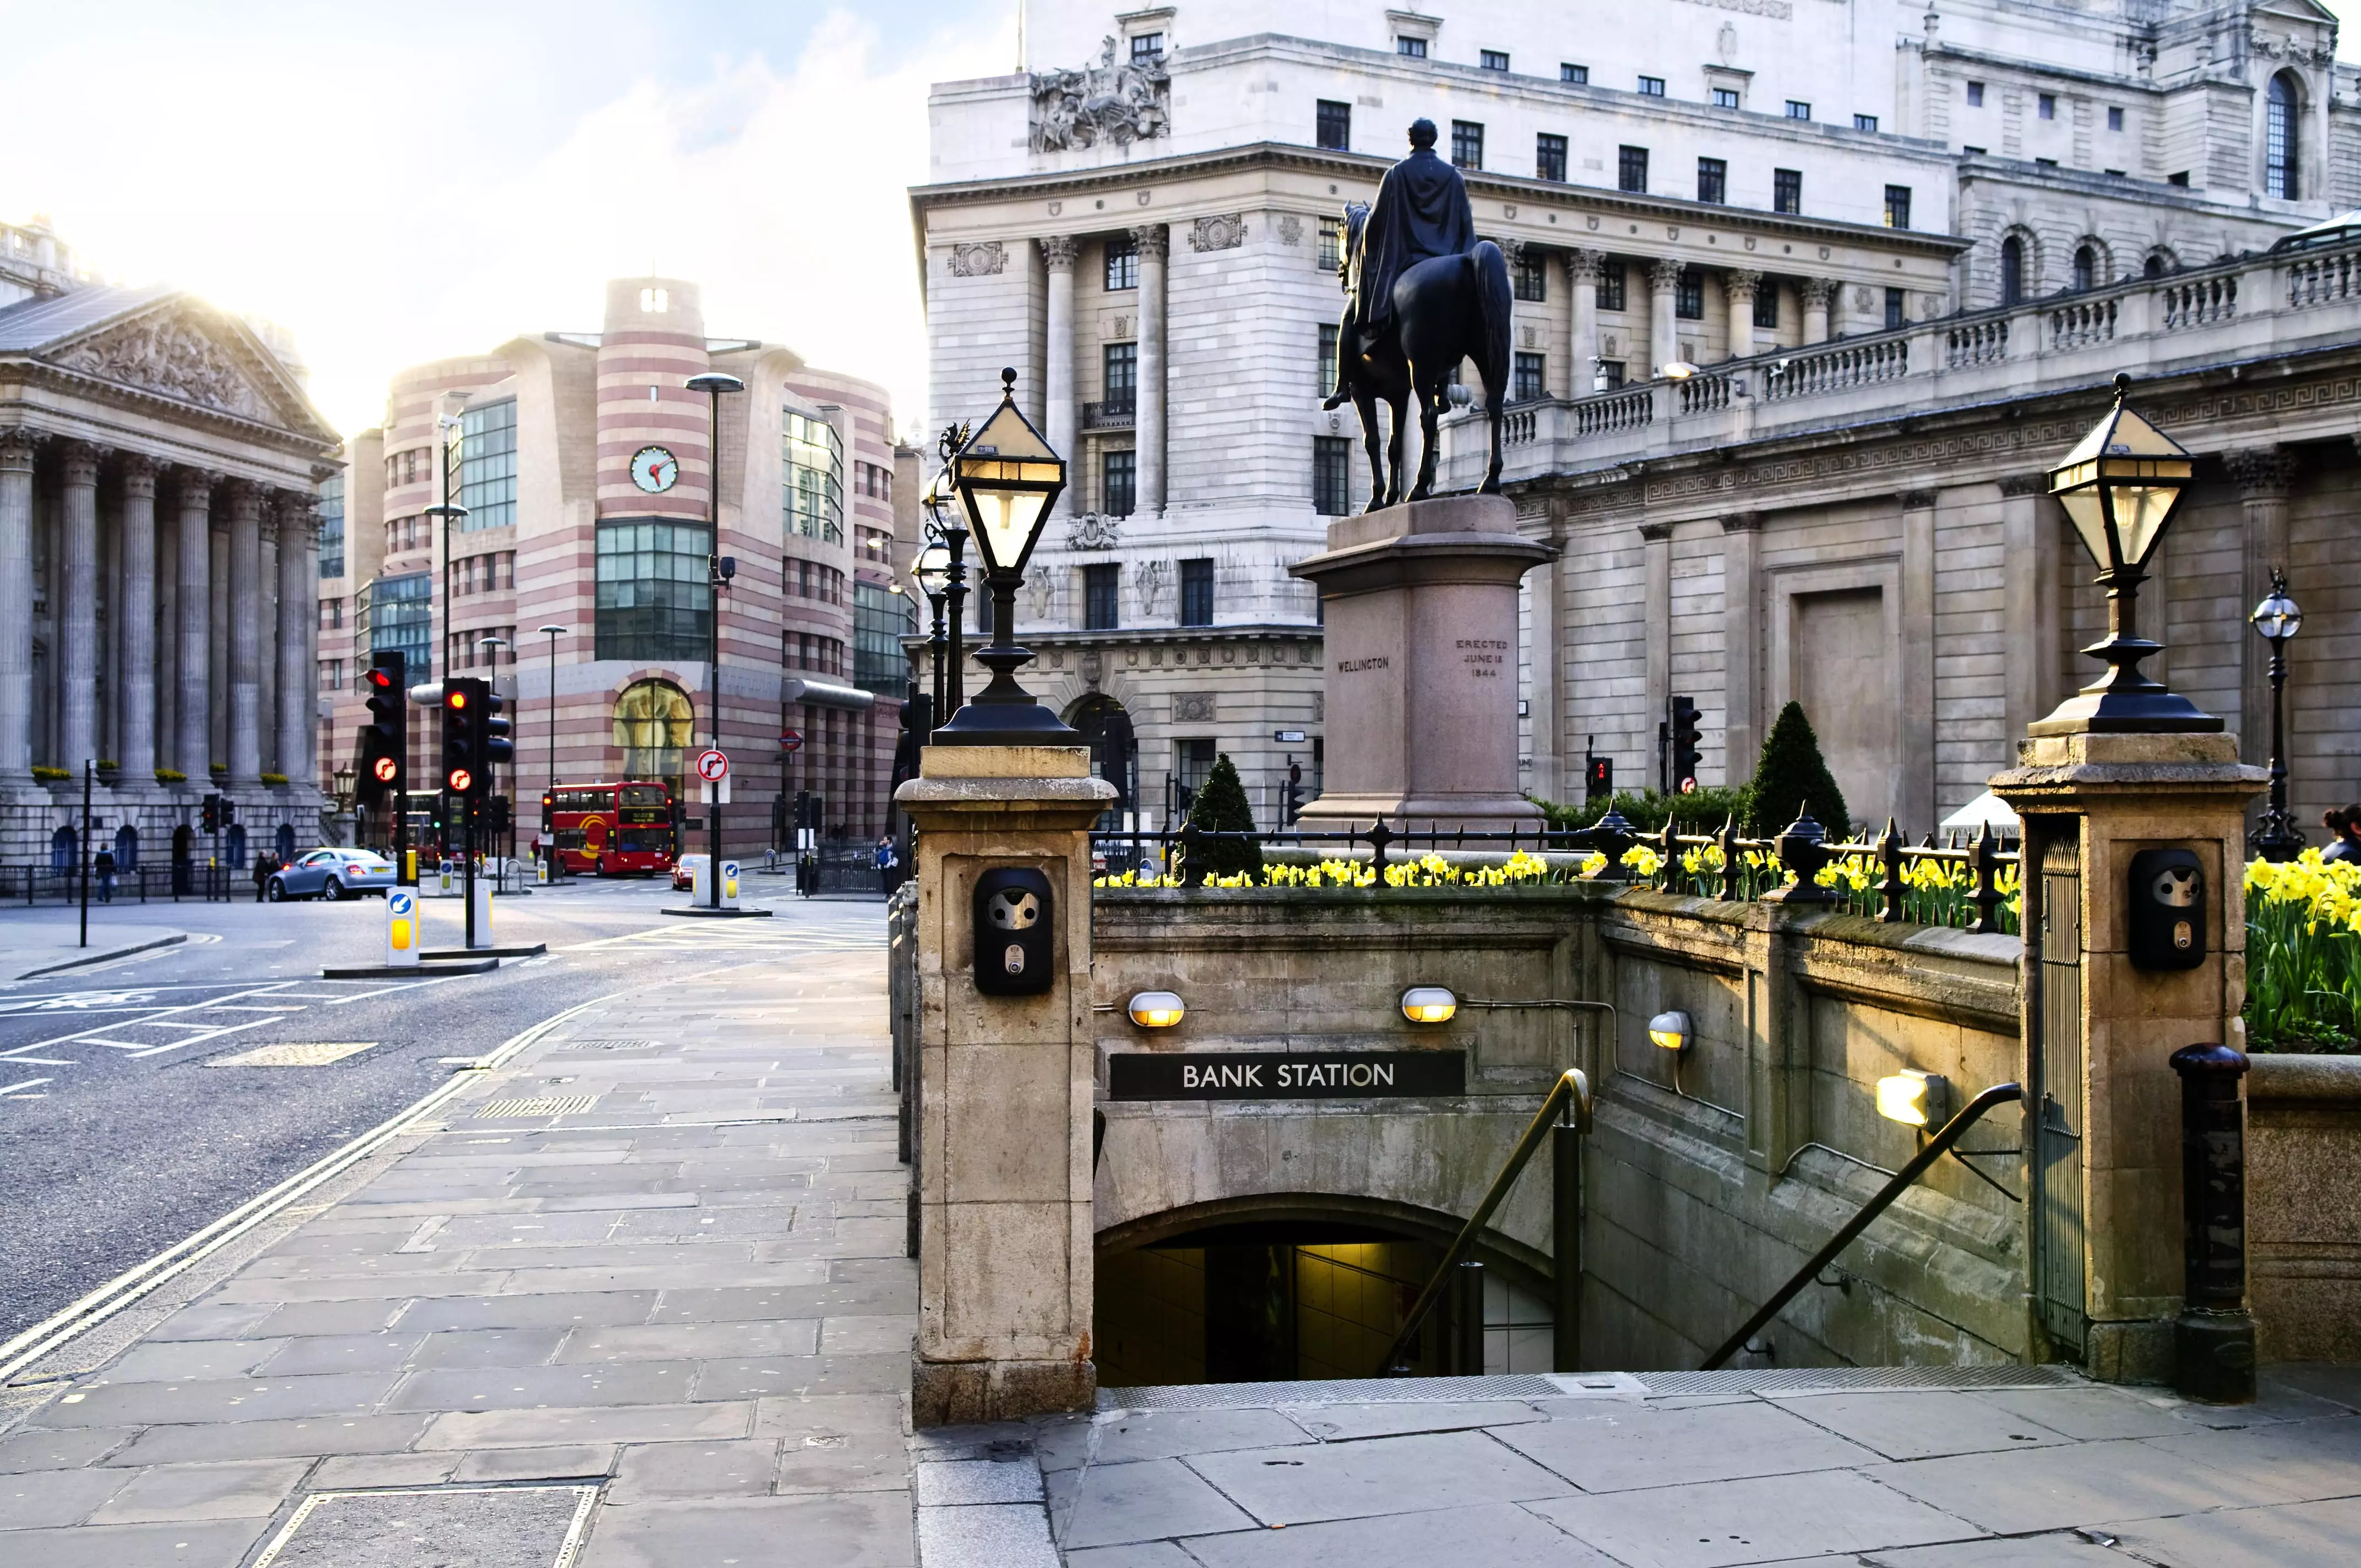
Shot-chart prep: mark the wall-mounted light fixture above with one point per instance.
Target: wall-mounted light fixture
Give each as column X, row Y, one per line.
column 1429, row 1005
column 1157, row 1009
column 1915, row 1098
column 1669, row 1030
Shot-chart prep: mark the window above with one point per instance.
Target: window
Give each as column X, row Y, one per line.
column 1196, row 593
column 1530, row 278
column 1799, row 110
column 1549, row 156
column 1787, row 190
column 812, row 478
column 1973, row 151
column 332, row 526
column 1493, row 58
column 1122, row 263
column 1467, row 143
column 1713, row 180
column 1119, row 366
column 1725, row 97
column 1766, row 303
column 1147, row 46
column 2158, row 264
column 654, row 725
column 2012, row 270
column 1195, row 757
column 880, row 620
column 1897, row 206
column 2180, row 178
column 1101, row 597
column 2086, row 267
column 398, row 614
column 332, row 675
column 1631, row 169
column 1328, row 331
column 655, row 591
column 1975, row 94
column 1897, row 305
column 1335, row 126
column 1328, row 254
column 1865, row 122
column 1688, row 295
column 1578, row 74
column 2045, row 163
column 1652, row 86
column 654, row 302
column 1118, row 482
column 1409, row 48
column 2048, row 108
column 1610, row 374
column 1331, row 475
column 1610, row 286
column 2114, row 119
column 2279, row 139
column 487, row 444
column 1525, row 385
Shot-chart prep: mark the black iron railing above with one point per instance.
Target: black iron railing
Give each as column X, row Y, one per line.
column 145, row 885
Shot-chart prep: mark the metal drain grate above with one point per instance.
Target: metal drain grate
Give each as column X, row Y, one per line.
column 486, row 1526
column 1774, row 1382
column 553, row 1106
column 604, row 1045
column 306, row 1053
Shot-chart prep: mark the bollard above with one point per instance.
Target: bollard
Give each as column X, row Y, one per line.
column 1566, row 1228
column 1467, row 1357
column 2213, row 1340
column 401, row 933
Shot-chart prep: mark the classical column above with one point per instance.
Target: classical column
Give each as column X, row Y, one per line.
column 1738, row 289
column 1914, row 775
column 2030, row 606
column 107, row 738
column 1582, row 348
column 266, row 635
column 193, row 748
column 76, row 614
column 1741, row 643
column 1817, row 291
column 1664, row 325
column 217, row 618
column 244, row 633
column 165, row 691
column 1656, row 626
column 2264, row 475
column 1154, row 241
column 298, row 616
column 1546, row 708
column 136, row 617
column 1057, row 378
column 16, row 606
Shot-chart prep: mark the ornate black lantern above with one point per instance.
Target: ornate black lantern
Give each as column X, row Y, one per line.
column 2278, row 620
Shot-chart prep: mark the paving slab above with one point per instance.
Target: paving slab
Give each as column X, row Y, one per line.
column 247, row 1489
column 215, row 1544
column 570, row 1462
column 866, row 1530
column 1146, row 1500
column 1759, row 1519
column 2300, row 1535
column 270, row 1440
column 52, row 1497
column 1501, row 1535
column 1923, row 1424
column 2057, row 1488
column 1625, row 1446
column 985, row 1537
column 24, row 1451
column 1380, row 1475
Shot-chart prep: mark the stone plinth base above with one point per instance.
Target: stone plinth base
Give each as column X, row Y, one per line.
column 1419, row 604
column 958, row 1393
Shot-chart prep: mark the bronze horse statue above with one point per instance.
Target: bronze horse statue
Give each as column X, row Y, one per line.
column 1447, row 309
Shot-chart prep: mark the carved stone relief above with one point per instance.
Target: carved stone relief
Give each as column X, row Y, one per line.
column 1093, row 530
column 168, row 354
column 1153, row 577
column 978, row 260
column 1290, row 230
column 1225, row 231
column 1192, row 707
column 1108, row 102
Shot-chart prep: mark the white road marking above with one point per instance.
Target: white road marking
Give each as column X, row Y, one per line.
column 29, row 1083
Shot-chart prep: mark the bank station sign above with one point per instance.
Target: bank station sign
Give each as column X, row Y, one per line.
column 1284, row 1075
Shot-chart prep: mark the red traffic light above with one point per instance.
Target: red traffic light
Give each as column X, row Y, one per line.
column 455, row 699
column 461, row 780
column 382, row 679
column 385, row 768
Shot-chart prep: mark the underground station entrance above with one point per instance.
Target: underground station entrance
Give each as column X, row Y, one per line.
column 1307, row 1296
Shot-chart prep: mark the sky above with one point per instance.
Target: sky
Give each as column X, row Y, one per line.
column 393, row 195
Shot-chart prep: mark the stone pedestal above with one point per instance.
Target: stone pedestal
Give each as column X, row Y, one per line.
column 2089, row 804
column 1004, row 1088
column 1420, row 603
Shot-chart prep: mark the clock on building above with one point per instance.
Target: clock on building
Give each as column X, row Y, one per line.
column 655, row 470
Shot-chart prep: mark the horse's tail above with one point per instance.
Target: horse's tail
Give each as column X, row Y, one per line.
column 1495, row 305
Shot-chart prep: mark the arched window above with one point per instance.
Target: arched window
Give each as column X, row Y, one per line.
column 2279, row 139
column 2012, row 270
column 654, row 727
column 61, row 851
column 126, row 847
column 236, row 846
column 2086, row 267
column 2158, row 264
column 283, row 843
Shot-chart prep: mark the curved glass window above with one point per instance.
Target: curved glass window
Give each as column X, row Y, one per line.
column 332, row 526
column 2279, row 139
column 653, row 728
column 881, row 618
column 487, row 438
column 655, row 591
column 398, row 613
column 812, row 473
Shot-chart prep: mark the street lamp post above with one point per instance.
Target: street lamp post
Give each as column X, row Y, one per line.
column 719, row 569
column 2278, row 618
column 492, row 646
column 931, row 570
column 549, row 824
column 452, row 515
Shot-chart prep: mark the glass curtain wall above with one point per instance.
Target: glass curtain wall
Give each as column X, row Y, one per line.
column 488, row 465
column 655, row 591
column 813, row 469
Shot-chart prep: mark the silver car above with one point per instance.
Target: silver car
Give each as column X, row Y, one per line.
column 331, row 874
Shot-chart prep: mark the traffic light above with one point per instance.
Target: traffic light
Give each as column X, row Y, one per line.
column 496, row 815
column 1601, row 783
column 1688, row 753
column 494, row 747
column 462, row 698
column 209, row 814
column 1294, row 789
column 548, row 813
column 385, row 738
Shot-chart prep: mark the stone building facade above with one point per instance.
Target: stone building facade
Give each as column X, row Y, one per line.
column 158, row 463
column 1143, row 222
column 537, row 440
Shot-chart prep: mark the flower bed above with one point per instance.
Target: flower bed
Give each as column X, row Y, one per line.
column 2303, row 955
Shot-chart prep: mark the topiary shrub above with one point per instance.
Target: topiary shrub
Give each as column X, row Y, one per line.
column 1792, row 772
column 1221, row 807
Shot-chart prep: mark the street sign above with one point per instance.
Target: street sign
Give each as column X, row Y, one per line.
column 1284, row 1075
column 402, row 943
column 791, row 739
column 1288, row 737
column 712, row 766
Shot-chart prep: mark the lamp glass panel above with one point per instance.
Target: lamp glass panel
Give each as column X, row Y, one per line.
column 1005, row 520
column 2085, row 510
column 932, row 571
column 2278, row 618
column 2140, row 514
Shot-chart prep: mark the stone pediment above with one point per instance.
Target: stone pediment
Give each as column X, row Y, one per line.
column 182, row 351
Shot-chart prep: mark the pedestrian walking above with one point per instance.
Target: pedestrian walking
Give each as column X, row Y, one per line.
column 102, row 867
column 888, row 863
column 264, row 865
column 2345, row 833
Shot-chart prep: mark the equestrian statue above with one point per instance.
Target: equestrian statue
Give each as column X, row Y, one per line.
column 1421, row 293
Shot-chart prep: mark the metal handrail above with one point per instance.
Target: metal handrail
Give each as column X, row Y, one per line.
column 1936, row 1146
column 1571, row 1087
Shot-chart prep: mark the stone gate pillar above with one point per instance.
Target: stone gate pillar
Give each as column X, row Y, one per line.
column 1004, row 1091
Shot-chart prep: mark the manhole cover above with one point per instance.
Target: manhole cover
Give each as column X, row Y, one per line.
column 554, row 1105
column 489, row 1527
column 605, row 1046
column 308, row 1053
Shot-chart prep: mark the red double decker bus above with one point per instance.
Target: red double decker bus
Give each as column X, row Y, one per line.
column 612, row 829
